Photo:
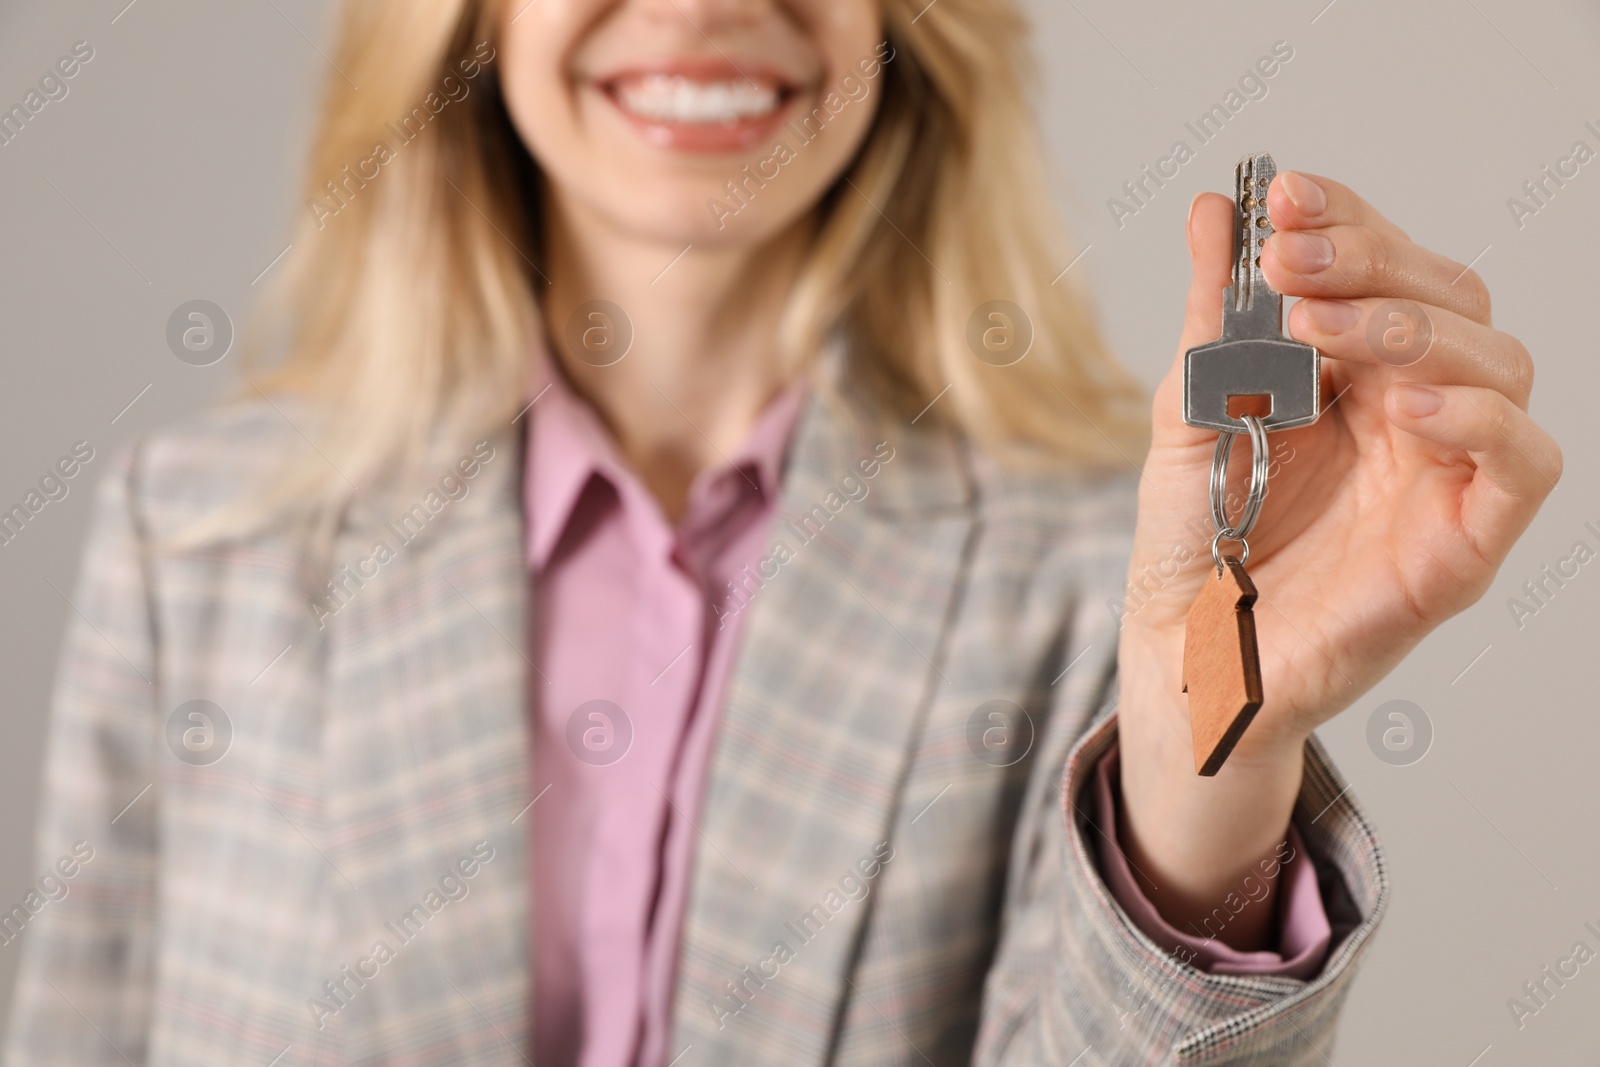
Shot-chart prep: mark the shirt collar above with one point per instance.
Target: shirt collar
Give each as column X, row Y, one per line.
column 568, row 445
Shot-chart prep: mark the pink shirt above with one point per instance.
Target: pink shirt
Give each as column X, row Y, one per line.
column 627, row 611
column 632, row 647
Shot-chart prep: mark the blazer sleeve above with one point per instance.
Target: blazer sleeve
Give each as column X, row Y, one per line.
column 83, row 988
column 1076, row 982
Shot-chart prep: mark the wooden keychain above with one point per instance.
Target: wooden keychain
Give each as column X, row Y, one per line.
column 1226, row 383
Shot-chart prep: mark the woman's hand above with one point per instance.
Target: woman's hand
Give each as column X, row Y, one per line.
column 1387, row 516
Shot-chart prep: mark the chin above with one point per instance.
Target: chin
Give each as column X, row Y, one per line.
column 678, row 212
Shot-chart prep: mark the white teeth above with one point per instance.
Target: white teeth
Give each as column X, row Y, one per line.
column 675, row 99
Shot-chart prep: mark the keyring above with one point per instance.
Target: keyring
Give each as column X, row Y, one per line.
column 1219, row 486
column 1216, row 553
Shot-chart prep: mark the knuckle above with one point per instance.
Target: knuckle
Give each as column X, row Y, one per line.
column 1475, row 301
column 1555, row 463
column 1519, row 368
column 1378, row 256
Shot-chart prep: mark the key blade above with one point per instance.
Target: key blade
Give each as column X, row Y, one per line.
column 1252, row 227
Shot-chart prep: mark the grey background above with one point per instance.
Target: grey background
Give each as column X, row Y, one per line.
column 166, row 175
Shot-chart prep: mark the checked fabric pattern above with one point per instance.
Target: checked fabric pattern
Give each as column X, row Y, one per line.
column 387, row 740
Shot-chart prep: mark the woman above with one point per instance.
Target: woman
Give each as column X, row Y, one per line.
column 634, row 626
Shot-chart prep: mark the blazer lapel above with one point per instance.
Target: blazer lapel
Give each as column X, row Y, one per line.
column 839, row 661
column 425, row 748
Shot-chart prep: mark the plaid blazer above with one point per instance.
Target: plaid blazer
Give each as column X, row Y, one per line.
column 882, row 878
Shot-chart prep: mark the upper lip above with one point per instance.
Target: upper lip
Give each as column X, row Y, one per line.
column 709, row 69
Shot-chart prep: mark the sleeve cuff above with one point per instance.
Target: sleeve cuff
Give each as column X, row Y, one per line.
column 1177, row 1012
column 1304, row 931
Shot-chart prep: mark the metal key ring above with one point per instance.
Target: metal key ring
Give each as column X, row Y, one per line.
column 1219, row 484
column 1216, row 549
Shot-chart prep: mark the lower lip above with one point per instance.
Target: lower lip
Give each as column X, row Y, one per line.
column 706, row 137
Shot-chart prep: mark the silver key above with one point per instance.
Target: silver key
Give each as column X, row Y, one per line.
column 1252, row 357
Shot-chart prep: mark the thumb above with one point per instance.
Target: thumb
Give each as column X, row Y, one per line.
column 1210, row 234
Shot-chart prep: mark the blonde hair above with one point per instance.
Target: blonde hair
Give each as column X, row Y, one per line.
column 411, row 311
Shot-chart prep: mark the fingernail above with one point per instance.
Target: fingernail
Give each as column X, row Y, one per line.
column 1304, row 253
column 1331, row 316
column 1416, row 400
column 1189, row 222
column 1306, row 195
